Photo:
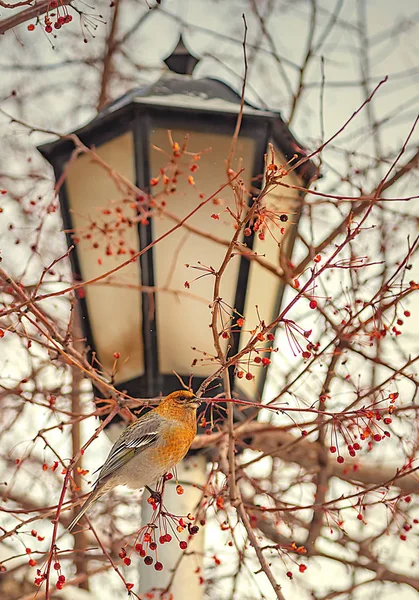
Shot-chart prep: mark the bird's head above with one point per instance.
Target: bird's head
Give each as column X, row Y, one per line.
column 184, row 398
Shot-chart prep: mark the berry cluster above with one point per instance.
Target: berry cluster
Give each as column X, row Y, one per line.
column 365, row 426
column 156, row 532
column 407, row 527
column 54, row 20
column 42, row 575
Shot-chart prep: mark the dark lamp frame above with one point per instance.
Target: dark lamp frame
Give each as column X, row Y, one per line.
column 134, row 113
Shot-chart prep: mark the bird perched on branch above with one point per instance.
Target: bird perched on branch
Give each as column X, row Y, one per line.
column 148, row 448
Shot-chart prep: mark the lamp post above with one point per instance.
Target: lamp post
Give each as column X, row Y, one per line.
column 144, row 315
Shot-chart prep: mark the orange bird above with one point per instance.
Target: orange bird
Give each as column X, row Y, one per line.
column 148, row 448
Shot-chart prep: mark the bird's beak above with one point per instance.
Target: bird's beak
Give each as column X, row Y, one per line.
column 196, row 402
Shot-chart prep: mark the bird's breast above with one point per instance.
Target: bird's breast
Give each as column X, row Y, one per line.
column 175, row 443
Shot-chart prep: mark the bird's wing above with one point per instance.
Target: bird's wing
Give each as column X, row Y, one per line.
column 140, row 435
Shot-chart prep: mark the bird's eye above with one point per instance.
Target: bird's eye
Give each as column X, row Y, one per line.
column 184, row 398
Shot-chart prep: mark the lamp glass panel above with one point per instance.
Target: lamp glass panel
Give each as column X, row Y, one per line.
column 264, row 285
column 114, row 304
column 184, row 315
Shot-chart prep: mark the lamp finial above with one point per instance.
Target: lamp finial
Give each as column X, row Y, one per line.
column 181, row 60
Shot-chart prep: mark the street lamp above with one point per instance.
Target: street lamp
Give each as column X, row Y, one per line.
column 144, row 315
column 154, row 325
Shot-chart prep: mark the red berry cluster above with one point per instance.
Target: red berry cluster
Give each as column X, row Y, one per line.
column 266, row 220
column 365, row 426
column 107, row 234
column 170, row 173
column 262, row 361
column 49, row 24
column 41, row 576
column 147, row 542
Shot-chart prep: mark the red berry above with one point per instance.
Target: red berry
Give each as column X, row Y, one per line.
column 59, row 585
column 387, row 421
column 302, row 568
column 306, row 354
column 406, row 313
column 183, row 545
column 340, row 459
column 249, row 376
column 31, row 27
column 407, row 499
column 313, row 304
column 57, row 566
column 158, row 566
column 403, row 537
column 270, row 337
column 168, row 537
column 153, row 546
column 289, row 574
column 148, row 560
column 356, row 446
column 48, row 29
column 61, row 578
column 32, row 562
column 377, row 437
column 127, row 561
column 257, row 359
column 129, row 586
column 266, row 362
column 332, row 449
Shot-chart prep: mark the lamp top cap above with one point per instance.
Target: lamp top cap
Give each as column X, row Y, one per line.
column 181, row 60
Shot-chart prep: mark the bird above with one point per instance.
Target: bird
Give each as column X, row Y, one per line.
column 148, row 448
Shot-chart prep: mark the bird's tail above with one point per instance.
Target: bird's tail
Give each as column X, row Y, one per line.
column 92, row 498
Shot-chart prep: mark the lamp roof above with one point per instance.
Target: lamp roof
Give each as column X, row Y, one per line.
column 183, row 93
